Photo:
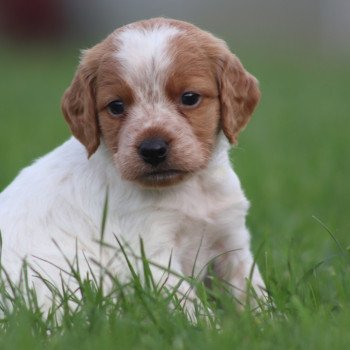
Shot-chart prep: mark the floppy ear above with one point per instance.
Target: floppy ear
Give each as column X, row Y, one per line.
column 239, row 95
column 78, row 103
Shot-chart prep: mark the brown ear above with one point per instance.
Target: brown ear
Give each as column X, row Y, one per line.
column 78, row 103
column 239, row 95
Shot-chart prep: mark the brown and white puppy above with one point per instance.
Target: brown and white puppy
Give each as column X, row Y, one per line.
column 152, row 109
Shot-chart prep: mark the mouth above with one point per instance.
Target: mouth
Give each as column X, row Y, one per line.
column 162, row 178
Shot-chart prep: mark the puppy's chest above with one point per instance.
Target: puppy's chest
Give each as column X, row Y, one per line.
column 168, row 217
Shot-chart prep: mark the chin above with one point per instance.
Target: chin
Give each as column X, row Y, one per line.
column 162, row 179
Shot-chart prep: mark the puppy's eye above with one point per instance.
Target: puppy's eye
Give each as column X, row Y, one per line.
column 190, row 98
column 116, row 107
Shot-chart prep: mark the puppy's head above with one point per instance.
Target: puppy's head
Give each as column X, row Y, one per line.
column 158, row 92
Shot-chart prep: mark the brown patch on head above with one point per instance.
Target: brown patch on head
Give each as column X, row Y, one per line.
column 200, row 54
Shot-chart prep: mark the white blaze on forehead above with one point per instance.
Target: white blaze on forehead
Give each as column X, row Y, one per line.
column 144, row 58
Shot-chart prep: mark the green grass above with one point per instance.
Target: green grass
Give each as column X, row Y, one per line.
column 293, row 161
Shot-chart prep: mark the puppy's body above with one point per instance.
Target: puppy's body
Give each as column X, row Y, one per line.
column 186, row 204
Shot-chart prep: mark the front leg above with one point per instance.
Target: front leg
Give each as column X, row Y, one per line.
column 167, row 273
column 235, row 265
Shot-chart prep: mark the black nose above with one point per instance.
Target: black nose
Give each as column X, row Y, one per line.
column 153, row 151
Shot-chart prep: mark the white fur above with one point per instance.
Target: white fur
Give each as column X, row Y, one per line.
column 61, row 197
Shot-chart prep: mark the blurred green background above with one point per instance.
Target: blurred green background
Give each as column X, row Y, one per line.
column 293, row 158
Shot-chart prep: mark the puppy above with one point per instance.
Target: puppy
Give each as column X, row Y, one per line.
column 153, row 109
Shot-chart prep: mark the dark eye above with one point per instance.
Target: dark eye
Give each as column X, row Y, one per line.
column 116, row 107
column 190, row 98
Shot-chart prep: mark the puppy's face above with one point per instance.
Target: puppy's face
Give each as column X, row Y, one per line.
column 158, row 92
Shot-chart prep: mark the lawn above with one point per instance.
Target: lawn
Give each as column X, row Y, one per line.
column 294, row 163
